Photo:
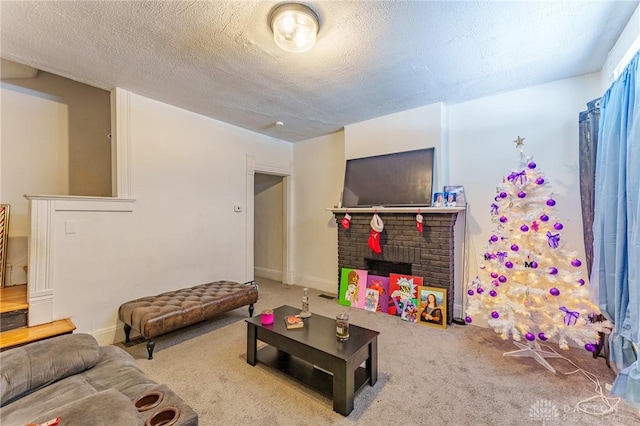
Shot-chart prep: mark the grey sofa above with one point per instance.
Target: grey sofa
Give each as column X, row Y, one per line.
column 82, row 383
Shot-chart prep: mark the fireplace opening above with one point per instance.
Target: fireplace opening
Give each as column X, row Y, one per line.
column 383, row 267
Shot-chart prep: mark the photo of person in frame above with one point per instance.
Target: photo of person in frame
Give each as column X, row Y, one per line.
column 450, row 201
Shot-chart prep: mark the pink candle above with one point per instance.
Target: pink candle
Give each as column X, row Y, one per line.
column 266, row 317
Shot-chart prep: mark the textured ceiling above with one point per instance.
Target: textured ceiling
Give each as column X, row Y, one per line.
column 373, row 58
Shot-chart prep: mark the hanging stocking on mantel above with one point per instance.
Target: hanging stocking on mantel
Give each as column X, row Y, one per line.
column 374, row 237
column 346, row 221
column 419, row 219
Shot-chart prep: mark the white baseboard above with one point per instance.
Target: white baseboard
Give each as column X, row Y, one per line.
column 267, row 273
column 109, row 335
column 328, row 286
column 457, row 311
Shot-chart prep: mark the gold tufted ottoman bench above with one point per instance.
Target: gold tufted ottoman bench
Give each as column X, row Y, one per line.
column 156, row 315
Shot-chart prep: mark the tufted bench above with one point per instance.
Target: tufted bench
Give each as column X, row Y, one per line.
column 156, row 315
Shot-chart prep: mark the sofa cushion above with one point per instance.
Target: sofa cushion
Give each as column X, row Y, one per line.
column 118, row 370
column 106, row 408
column 44, row 400
column 28, row 368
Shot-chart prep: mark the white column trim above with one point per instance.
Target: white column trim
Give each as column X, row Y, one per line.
column 121, row 143
column 40, row 288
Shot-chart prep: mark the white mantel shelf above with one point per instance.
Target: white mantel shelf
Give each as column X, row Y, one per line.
column 382, row 210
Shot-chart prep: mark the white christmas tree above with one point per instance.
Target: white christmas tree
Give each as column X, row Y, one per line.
column 529, row 283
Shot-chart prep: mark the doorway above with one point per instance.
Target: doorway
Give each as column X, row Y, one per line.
column 268, row 225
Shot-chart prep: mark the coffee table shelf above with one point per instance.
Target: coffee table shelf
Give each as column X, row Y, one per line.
column 304, row 372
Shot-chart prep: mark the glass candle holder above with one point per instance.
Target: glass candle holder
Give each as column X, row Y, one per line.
column 342, row 326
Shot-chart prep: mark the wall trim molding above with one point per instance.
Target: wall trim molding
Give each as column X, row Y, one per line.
column 270, row 274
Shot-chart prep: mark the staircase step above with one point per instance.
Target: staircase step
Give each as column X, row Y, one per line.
column 24, row 335
column 13, row 298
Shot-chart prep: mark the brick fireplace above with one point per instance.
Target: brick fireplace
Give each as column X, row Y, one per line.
column 429, row 254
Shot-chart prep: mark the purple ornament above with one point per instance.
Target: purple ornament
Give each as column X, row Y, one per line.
column 540, row 181
column 553, row 270
column 493, row 293
column 502, row 279
column 494, row 238
column 542, row 337
column 590, row 347
column 503, row 219
column 551, row 202
column 494, row 275
column 531, row 165
column 576, row 263
column 515, row 247
column 524, row 228
column 557, row 226
column 530, row 337
column 495, row 315
column 470, row 292
column 534, row 264
column 554, row 291
column 503, row 194
column 468, row 319
column 544, row 218
column 495, row 282
column 508, row 264
column 522, row 194
column 581, row 281
column 480, row 290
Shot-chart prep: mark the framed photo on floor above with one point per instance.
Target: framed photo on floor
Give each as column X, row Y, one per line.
column 432, row 306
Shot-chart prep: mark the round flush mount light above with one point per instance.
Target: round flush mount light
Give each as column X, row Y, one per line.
column 295, row 27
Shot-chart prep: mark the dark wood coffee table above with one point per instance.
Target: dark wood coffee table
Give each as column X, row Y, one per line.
column 314, row 356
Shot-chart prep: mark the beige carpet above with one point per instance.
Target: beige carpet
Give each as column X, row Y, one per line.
column 427, row 376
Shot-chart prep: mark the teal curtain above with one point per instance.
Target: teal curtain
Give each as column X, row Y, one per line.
column 616, row 233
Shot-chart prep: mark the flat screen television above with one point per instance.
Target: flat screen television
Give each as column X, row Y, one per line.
column 400, row 179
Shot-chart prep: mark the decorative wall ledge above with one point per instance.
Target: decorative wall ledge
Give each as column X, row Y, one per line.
column 85, row 204
column 383, row 209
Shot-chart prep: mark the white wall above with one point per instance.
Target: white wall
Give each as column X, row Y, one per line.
column 476, row 142
column 403, row 131
column 319, row 176
column 482, row 151
column 188, row 171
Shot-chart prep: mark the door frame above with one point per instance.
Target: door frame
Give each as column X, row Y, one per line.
column 286, row 172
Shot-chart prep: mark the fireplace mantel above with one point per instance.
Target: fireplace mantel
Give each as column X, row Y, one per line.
column 382, row 209
column 428, row 254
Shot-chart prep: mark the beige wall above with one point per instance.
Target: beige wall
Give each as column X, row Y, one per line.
column 268, row 226
column 88, row 123
column 319, row 175
column 54, row 141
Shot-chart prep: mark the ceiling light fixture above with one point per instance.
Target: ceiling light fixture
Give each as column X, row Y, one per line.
column 294, row 27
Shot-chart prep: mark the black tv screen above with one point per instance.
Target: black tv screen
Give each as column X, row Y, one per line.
column 398, row 179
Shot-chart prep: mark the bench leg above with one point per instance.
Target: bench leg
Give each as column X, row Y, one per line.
column 127, row 333
column 251, row 310
column 151, row 344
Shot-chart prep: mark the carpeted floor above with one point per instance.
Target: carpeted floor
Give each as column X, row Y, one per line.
column 427, row 376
